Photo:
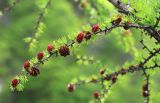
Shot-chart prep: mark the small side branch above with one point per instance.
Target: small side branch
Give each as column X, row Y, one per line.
column 146, row 90
column 157, row 22
column 123, row 8
column 39, row 20
column 150, row 30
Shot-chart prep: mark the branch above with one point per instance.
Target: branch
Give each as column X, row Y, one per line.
column 152, row 54
column 157, row 22
column 39, row 20
column 152, row 32
column 153, row 67
column 146, row 90
column 106, row 30
column 34, row 69
column 139, row 67
column 113, row 77
column 123, row 8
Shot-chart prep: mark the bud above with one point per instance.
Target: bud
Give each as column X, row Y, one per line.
column 80, row 37
column 15, row 82
column 95, row 28
column 64, row 50
column 34, row 71
column 26, row 65
column 50, row 48
column 40, row 55
column 71, row 87
column 96, row 95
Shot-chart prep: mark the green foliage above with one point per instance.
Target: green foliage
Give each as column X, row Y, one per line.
column 60, row 25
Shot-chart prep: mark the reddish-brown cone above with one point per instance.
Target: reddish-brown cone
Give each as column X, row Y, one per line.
column 80, row 37
column 34, row 71
column 126, row 27
column 114, row 78
column 95, row 28
column 50, row 48
column 122, row 71
column 108, row 77
column 96, row 95
column 71, row 87
column 40, row 55
column 64, row 50
column 102, row 71
column 117, row 21
column 145, row 90
column 145, row 94
column 132, row 69
column 88, row 35
column 15, row 82
column 26, row 65
column 145, row 87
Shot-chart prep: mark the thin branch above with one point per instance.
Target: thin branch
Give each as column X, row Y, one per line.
column 139, row 67
column 147, row 100
column 123, row 8
column 39, row 19
column 157, row 22
column 157, row 51
column 143, row 44
column 153, row 66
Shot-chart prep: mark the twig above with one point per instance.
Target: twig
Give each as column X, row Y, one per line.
column 38, row 21
column 123, row 8
column 157, row 22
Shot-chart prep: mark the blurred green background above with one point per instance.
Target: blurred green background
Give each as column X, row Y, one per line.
column 63, row 17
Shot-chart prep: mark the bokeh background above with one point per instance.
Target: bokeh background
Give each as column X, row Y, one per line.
column 63, row 17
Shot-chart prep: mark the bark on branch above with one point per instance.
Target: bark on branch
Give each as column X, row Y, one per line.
column 121, row 6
